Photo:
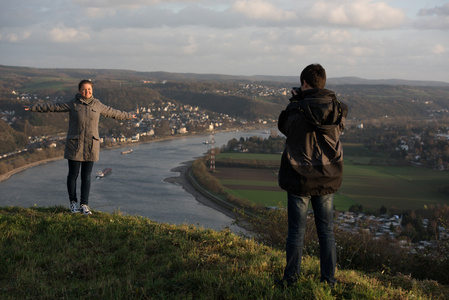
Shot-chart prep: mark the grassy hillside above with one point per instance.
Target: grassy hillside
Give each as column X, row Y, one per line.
column 49, row 253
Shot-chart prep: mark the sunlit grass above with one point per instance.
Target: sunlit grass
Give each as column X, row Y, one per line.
column 49, row 253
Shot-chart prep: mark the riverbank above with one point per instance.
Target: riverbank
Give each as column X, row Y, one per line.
column 23, row 168
column 117, row 146
column 189, row 188
column 182, row 180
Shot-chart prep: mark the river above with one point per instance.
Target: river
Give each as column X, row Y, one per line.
column 136, row 185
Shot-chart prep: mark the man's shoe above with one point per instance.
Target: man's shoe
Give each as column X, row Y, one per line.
column 85, row 209
column 330, row 284
column 284, row 283
column 74, row 207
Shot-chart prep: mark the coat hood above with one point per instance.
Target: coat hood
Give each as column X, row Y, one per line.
column 321, row 109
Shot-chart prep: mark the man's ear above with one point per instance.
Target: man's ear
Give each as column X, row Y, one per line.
column 305, row 86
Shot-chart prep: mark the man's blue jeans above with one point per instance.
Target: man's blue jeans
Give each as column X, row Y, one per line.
column 324, row 220
column 86, row 170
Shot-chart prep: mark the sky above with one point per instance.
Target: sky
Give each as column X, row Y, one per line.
column 390, row 39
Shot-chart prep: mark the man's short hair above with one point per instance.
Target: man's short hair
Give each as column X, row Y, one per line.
column 314, row 75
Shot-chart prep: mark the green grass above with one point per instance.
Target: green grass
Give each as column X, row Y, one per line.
column 342, row 202
column 357, row 154
column 248, row 182
column 49, row 253
column 393, row 187
column 273, row 199
column 396, row 188
column 46, row 83
column 265, row 198
column 248, row 156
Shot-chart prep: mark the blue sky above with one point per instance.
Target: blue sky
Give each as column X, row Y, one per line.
column 403, row 39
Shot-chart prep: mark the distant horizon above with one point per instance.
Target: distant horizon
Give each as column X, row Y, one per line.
column 360, row 80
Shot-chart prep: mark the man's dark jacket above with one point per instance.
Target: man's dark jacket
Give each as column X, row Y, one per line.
column 312, row 162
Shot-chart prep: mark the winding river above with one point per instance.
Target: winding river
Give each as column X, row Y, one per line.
column 136, row 185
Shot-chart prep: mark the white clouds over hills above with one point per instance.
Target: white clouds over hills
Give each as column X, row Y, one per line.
column 371, row 39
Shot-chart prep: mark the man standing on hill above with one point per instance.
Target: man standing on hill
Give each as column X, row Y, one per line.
column 311, row 168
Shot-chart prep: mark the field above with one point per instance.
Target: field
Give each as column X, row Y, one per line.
column 396, row 188
column 49, row 83
column 249, row 156
column 262, row 187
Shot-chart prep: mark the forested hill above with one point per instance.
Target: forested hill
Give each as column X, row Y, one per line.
column 247, row 97
column 11, row 72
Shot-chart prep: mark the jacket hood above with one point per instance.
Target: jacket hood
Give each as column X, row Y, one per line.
column 321, row 109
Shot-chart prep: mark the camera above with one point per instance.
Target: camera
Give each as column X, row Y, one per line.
column 298, row 95
column 297, row 89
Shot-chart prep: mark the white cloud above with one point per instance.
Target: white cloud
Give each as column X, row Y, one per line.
column 191, row 48
column 439, row 49
column 14, row 37
column 361, row 51
column 96, row 12
column 62, row 34
column 261, row 10
column 365, row 38
column 297, row 50
column 115, row 3
column 364, row 14
column 129, row 4
column 331, row 36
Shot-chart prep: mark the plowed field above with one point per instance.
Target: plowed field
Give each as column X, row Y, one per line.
column 250, row 179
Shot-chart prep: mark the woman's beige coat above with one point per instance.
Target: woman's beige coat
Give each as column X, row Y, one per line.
column 83, row 139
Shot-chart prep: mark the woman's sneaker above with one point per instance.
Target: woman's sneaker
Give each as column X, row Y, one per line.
column 85, row 209
column 74, row 207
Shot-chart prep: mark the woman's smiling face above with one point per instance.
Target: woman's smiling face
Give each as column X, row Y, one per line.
column 86, row 90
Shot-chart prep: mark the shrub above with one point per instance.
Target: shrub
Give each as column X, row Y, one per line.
column 209, row 182
column 5, row 168
column 355, row 250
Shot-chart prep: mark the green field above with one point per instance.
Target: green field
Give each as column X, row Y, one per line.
column 393, row 187
column 396, row 188
column 265, row 198
column 269, row 198
column 249, row 156
column 272, row 198
column 248, row 182
column 46, row 83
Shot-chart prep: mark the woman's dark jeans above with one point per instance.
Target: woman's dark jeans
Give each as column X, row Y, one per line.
column 86, row 171
column 297, row 217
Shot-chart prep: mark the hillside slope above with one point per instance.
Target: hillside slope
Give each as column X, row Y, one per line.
column 51, row 253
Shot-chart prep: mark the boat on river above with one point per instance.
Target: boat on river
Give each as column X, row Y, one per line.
column 127, row 152
column 104, row 172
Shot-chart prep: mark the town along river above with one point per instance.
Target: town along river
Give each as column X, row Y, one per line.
column 135, row 186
